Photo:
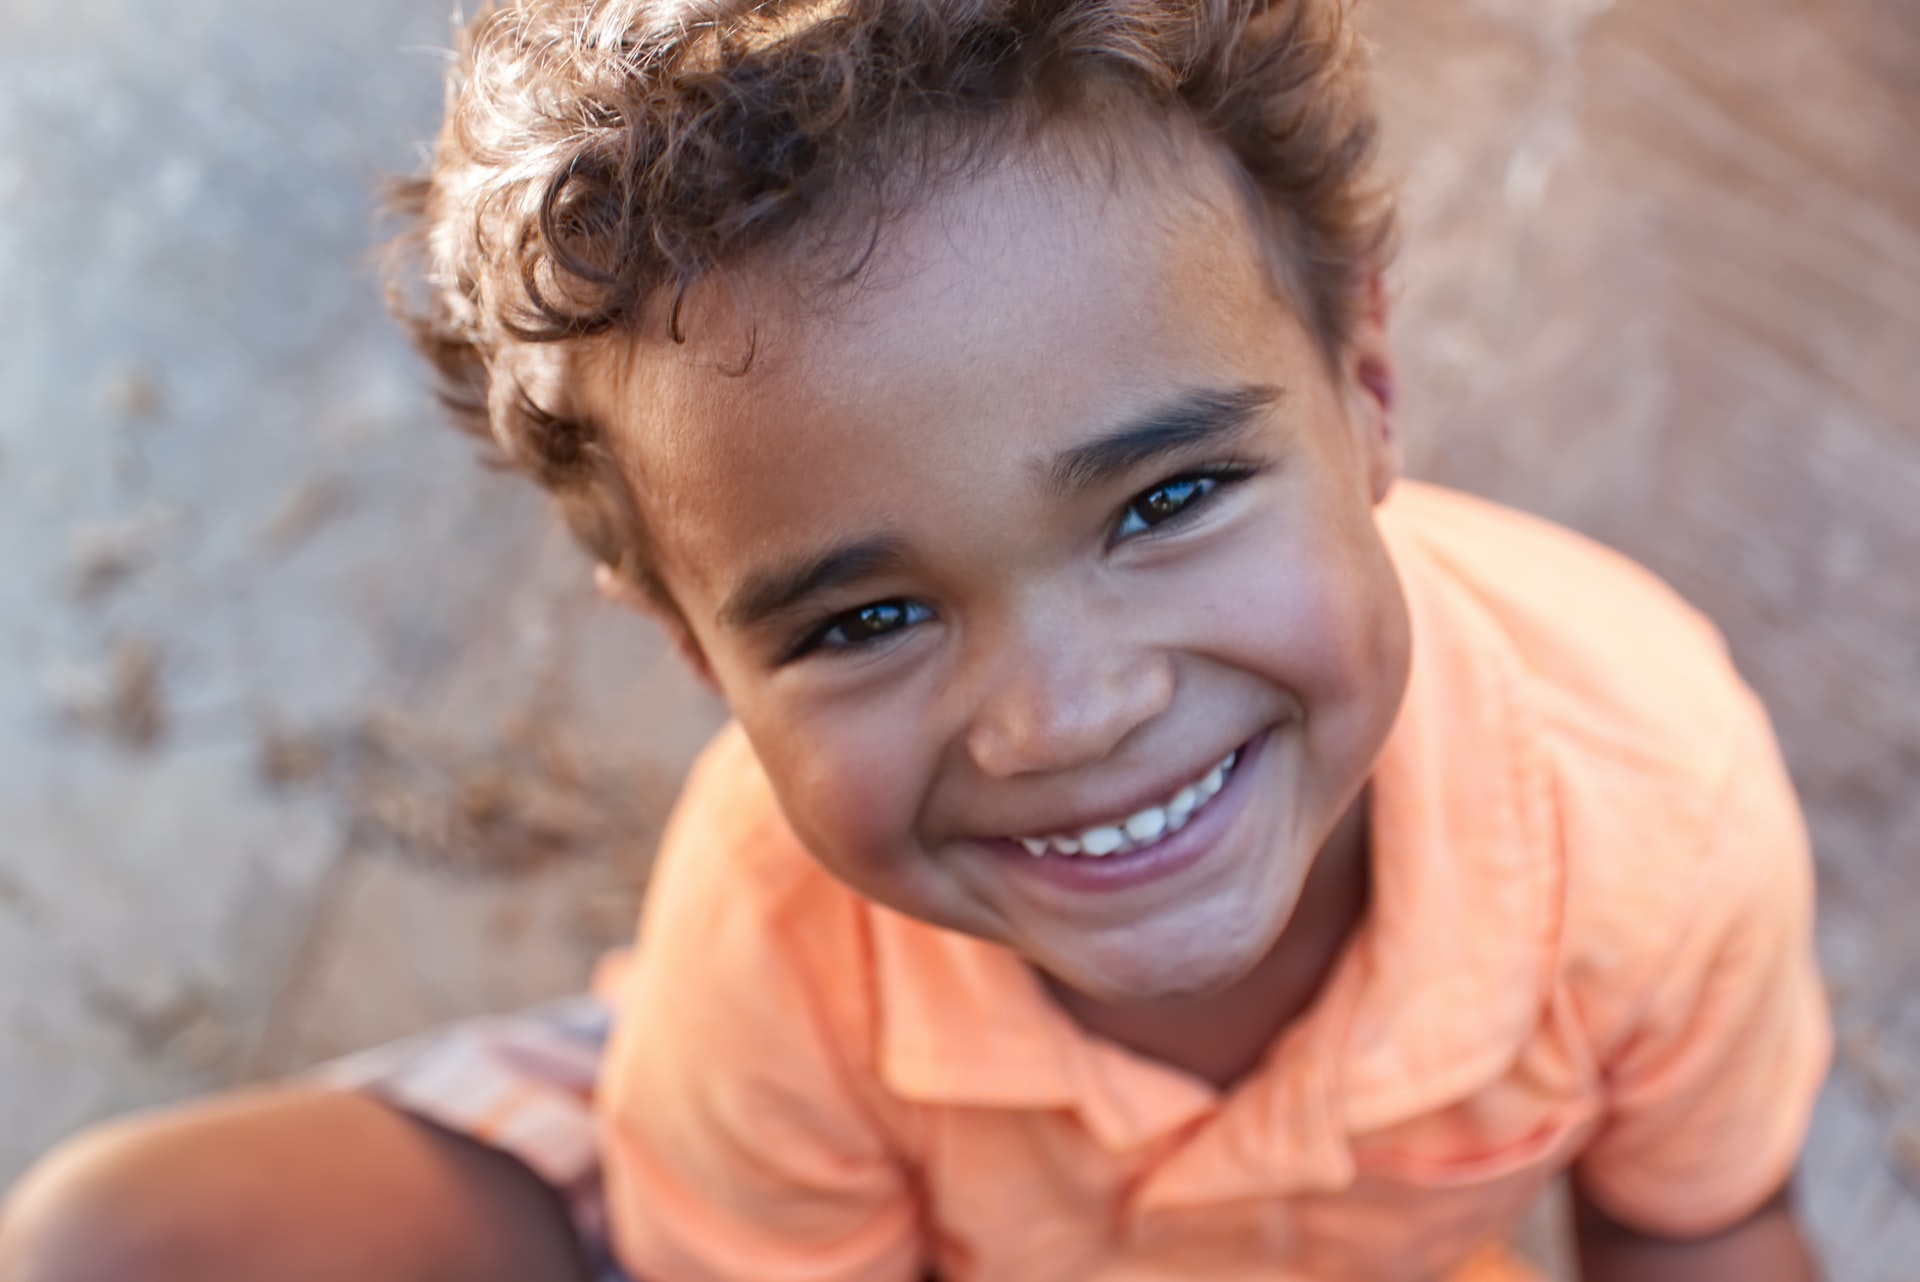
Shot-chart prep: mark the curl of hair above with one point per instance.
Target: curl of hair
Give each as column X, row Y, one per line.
column 599, row 156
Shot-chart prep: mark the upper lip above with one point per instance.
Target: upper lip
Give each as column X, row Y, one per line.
column 1094, row 814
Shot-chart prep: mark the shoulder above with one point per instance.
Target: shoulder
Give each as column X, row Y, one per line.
column 1612, row 656
column 1674, row 821
column 738, row 915
column 1627, row 684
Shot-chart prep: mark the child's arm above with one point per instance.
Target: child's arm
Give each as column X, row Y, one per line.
column 291, row 1184
column 1764, row 1247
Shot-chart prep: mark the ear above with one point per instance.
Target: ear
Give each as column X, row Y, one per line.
column 617, row 589
column 1373, row 389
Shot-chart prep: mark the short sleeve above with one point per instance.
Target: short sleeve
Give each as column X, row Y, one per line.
column 737, row 1145
column 1710, row 1094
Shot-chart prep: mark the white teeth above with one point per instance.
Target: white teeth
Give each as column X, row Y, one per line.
column 1147, row 825
column 1141, row 829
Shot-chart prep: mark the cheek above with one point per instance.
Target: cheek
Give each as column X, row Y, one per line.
column 1313, row 604
column 1363, row 651
column 850, row 781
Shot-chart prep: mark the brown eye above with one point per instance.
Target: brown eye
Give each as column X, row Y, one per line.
column 864, row 626
column 1162, row 503
column 870, row 621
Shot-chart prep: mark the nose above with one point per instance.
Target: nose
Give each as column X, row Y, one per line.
column 1062, row 692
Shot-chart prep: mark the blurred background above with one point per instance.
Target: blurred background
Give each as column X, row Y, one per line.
column 312, row 732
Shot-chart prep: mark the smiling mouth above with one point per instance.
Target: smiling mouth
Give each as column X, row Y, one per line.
column 1122, row 835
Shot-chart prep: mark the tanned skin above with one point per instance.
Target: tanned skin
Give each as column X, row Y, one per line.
column 283, row 1185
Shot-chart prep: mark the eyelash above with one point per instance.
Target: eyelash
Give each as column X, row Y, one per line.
column 1201, row 485
column 911, row 612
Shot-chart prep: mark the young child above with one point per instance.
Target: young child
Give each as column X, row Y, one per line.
column 1155, row 842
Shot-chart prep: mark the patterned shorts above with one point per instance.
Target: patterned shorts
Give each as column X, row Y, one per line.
column 522, row 1083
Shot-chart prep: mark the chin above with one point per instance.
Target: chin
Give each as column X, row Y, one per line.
column 1152, row 975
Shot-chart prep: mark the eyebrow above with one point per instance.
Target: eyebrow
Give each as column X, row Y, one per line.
column 781, row 589
column 1202, row 417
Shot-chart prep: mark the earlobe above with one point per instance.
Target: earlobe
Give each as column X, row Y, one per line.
column 616, row 589
column 1381, row 424
column 1377, row 392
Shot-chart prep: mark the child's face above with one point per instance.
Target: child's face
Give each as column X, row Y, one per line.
column 1021, row 537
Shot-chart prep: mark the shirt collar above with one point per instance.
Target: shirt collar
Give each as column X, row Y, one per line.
column 964, row 1022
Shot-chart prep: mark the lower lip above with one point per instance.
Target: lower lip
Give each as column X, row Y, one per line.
column 1164, row 858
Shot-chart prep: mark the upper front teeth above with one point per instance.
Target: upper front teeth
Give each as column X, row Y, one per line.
column 1140, row 829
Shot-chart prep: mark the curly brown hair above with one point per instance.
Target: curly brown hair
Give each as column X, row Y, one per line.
column 600, row 156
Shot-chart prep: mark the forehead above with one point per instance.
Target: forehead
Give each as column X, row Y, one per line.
column 992, row 323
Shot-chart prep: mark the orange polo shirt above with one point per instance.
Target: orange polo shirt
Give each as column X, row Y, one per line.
column 1588, row 947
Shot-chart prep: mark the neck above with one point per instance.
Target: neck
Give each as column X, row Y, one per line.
column 1222, row 1036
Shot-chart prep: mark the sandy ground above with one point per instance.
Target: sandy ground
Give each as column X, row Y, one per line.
column 313, row 734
